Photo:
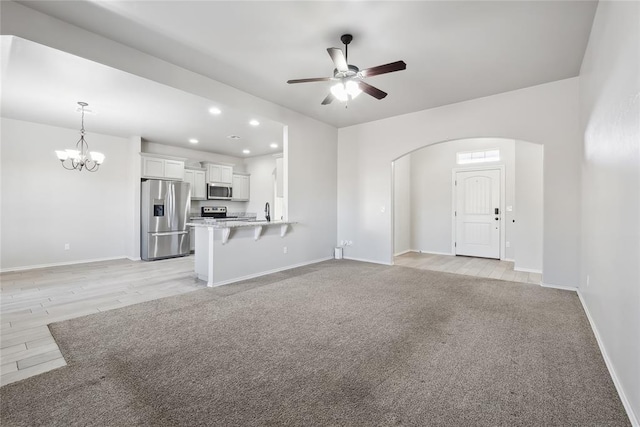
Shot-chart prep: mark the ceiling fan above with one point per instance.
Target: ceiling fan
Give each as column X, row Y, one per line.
column 349, row 78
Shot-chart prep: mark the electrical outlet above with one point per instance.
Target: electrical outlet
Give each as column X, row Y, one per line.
column 67, row 246
column 508, row 244
column 383, row 209
column 349, row 243
column 342, row 242
column 284, row 250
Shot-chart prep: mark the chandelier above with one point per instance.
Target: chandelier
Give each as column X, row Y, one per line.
column 81, row 157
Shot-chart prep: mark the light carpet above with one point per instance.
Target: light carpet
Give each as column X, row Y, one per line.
column 335, row 343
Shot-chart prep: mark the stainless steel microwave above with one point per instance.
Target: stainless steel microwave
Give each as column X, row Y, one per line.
column 220, row 191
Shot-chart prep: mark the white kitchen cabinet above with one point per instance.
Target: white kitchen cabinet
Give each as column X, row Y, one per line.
column 219, row 173
column 174, row 169
column 157, row 167
column 240, row 187
column 198, row 183
column 189, row 176
column 227, row 174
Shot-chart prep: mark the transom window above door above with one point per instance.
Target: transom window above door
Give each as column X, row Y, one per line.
column 484, row 156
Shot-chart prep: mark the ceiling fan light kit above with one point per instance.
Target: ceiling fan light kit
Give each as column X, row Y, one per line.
column 349, row 78
column 345, row 91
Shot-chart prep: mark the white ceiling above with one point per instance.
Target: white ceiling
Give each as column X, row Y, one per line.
column 43, row 85
column 454, row 50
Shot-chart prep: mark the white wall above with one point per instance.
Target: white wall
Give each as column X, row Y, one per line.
column 402, row 205
column 528, row 210
column 134, row 172
column 545, row 114
column 310, row 156
column 261, row 188
column 45, row 206
column 610, row 256
column 431, row 175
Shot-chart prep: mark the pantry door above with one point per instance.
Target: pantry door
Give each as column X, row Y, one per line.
column 477, row 213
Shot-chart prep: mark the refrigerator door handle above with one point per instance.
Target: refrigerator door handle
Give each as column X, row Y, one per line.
column 169, row 233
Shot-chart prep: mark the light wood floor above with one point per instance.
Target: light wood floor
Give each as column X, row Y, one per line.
column 32, row 299
column 468, row 266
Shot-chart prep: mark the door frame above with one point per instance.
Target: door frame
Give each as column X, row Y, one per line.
column 503, row 227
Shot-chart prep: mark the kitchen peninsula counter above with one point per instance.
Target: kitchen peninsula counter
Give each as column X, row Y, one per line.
column 224, row 248
column 236, row 224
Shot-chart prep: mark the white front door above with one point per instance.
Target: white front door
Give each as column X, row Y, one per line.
column 477, row 213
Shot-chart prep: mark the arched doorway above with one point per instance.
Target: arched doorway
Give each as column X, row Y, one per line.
column 427, row 208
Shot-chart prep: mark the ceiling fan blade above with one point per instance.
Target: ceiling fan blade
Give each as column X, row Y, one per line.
column 371, row 90
column 315, row 79
column 383, row 69
column 329, row 99
column 338, row 58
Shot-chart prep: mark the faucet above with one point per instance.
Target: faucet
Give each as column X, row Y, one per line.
column 267, row 212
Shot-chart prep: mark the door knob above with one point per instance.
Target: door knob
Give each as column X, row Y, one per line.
column 497, row 218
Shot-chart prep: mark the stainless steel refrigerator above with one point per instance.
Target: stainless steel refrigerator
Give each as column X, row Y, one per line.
column 164, row 208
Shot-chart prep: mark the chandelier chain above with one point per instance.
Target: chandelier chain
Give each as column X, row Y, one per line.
column 81, row 157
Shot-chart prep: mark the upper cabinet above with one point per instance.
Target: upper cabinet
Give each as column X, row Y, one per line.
column 219, row 173
column 240, row 187
column 162, row 168
column 197, row 179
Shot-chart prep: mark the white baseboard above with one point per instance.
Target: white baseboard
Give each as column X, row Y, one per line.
column 436, row 253
column 403, row 252
column 368, row 260
column 264, row 273
column 508, row 259
column 564, row 288
column 527, row 270
column 607, row 361
column 59, row 264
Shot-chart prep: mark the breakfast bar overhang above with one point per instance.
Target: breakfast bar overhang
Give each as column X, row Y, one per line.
column 224, row 248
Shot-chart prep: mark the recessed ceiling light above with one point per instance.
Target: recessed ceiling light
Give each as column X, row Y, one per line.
column 214, row 110
column 273, row 145
column 245, row 151
column 193, row 141
column 254, row 122
column 233, row 137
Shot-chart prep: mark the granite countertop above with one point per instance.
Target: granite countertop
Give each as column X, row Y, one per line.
column 237, row 224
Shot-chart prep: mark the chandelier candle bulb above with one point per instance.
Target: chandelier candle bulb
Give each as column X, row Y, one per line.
column 81, row 158
column 97, row 157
